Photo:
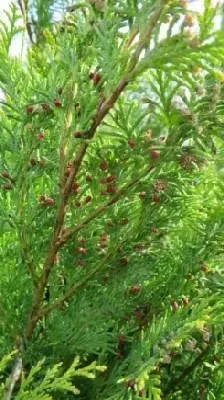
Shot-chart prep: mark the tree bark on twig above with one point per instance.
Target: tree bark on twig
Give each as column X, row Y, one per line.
column 14, row 377
column 16, row 372
column 23, row 5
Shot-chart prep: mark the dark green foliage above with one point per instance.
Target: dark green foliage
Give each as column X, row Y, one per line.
column 123, row 268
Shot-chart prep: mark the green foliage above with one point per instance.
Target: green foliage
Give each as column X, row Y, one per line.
column 51, row 380
column 111, row 191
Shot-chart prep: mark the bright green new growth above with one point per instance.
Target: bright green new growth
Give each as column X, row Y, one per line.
column 111, row 189
column 54, row 379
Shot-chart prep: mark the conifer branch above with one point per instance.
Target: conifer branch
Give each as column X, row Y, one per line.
column 107, row 106
column 186, row 372
column 69, row 232
column 49, row 262
column 60, row 214
column 77, row 286
column 180, row 220
column 143, row 41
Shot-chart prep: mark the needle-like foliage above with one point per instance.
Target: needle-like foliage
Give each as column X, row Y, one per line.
column 111, row 201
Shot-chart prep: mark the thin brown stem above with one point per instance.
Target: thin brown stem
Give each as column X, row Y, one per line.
column 77, row 286
column 145, row 38
column 132, row 36
column 23, row 5
column 69, row 232
column 107, row 106
column 27, row 259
